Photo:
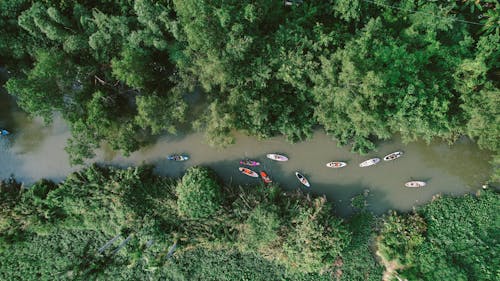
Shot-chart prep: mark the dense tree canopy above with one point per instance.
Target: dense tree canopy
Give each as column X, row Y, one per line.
column 447, row 239
column 364, row 70
column 149, row 214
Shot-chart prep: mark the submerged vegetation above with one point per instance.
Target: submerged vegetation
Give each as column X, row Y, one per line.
column 106, row 223
column 119, row 71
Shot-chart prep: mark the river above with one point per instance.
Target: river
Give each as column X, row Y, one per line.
column 34, row 151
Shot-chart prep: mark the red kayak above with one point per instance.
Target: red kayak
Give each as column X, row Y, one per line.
column 265, row 177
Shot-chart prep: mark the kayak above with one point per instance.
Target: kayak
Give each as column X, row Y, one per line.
column 176, row 157
column 277, row 157
column 392, row 156
column 249, row 162
column 336, row 164
column 265, row 177
column 302, row 179
column 415, row 184
column 4, row 132
column 248, row 172
column 370, row 162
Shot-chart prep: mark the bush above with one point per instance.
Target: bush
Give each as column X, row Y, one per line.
column 317, row 238
column 260, row 229
column 459, row 242
column 199, row 194
column 400, row 236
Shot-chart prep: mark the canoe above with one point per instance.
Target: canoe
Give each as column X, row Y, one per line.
column 4, row 132
column 392, row 156
column 370, row 162
column 249, row 162
column 248, row 172
column 277, row 157
column 176, row 157
column 415, row 184
column 265, row 177
column 336, row 164
column 302, row 179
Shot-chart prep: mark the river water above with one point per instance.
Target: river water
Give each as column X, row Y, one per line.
column 35, row 151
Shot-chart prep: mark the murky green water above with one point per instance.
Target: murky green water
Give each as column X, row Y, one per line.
column 34, row 151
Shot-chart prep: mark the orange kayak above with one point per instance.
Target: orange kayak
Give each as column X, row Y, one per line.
column 248, row 172
column 265, row 177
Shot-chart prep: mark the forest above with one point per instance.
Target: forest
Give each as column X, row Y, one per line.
column 123, row 72
column 105, row 223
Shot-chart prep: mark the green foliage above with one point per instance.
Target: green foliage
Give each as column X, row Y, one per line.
column 480, row 95
column 400, row 236
column 363, row 70
column 14, row 42
column 50, row 257
column 52, row 231
column 459, row 240
column 260, row 229
column 199, row 194
column 159, row 113
column 43, row 90
column 228, row 265
column 10, row 190
column 134, row 67
column 316, row 240
column 219, row 125
column 358, row 262
column 359, row 201
column 10, row 194
column 74, row 51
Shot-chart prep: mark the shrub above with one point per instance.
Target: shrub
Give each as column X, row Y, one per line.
column 199, row 194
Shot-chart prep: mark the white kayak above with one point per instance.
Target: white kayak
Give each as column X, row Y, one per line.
column 277, row 157
column 302, row 179
column 392, row 156
column 336, row 164
column 415, row 184
column 370, row 162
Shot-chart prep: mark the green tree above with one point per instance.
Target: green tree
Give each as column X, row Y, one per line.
column 260, row 229
column 401, row 236
column 199, row 194
column 46, row 85
column 316, row 239
column 479, row 93
column 160, row 113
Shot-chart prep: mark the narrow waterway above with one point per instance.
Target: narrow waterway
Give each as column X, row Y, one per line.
column 35, row 151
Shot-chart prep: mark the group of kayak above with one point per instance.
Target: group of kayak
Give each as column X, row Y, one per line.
column 334, row 165
column 263, row 174
column 302, row 179
column 390, row 157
